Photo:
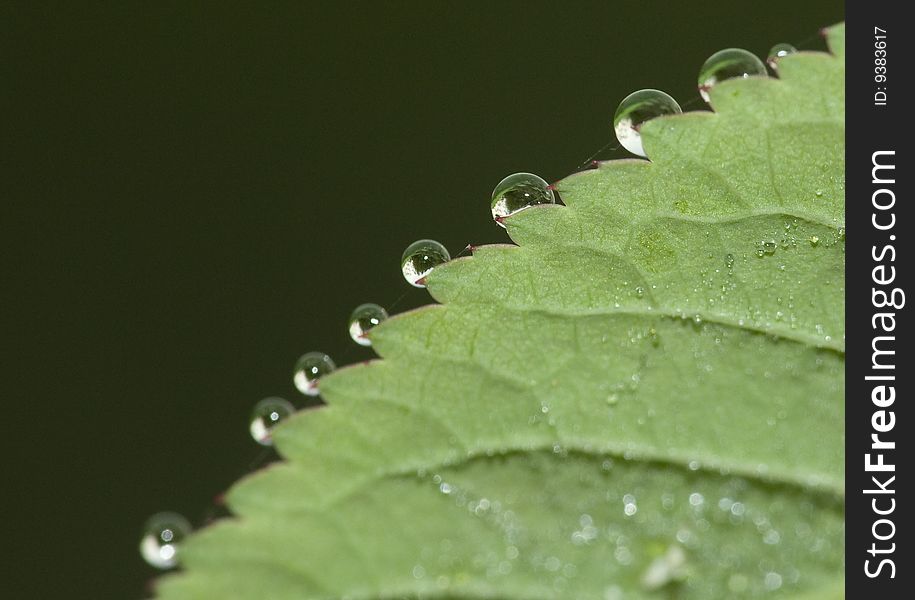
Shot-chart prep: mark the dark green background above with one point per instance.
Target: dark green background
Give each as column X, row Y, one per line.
column 194, row 194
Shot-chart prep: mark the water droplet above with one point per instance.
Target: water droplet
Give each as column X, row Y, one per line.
column 309, row 369
column 587, row 533
column 420, row 258
column 634, row 110
column 729, row 63
column 814, row 240
column 265, row 416
column 779, row 51
column 773, row 581
column 766, row 248
column 517, row 192
column 665, row 569
column 363, row 320
column 162, row 536
column 729, row 261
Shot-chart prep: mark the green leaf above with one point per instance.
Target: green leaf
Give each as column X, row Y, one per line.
column 642, row 399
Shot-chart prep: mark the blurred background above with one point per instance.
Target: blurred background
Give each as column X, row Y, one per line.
column 193, row 194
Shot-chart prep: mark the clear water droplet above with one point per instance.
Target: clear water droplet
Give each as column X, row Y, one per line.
column 363, row 320
column 309, row 369
column 772, row 581
column 779, row 51
column 730, row 63
column 814, row 240
column 266, row 415
column 162, row 537
column 420, row 258
column 517, row 192
column 766, row 248
column 634, row 110
column 552, row 563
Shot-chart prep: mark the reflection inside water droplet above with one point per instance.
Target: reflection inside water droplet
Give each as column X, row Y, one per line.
column 420, row 258
column 637, row 108
column 363, row 320
column 162, row 536
column 779, row 51
column 729, row 63
column 308, row 371
column 266, row 415
column 517, row 192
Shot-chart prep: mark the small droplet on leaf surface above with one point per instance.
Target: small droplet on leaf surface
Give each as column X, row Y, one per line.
column 634, row 110
column 364, row 318
column 308, row 371
column 266, row 415
column 517, row 192
column 766, row 248
column 779, row 51
column 420, row 258
column 665, row 569
column 772, row 581
column 730, row 63
column 162, row 536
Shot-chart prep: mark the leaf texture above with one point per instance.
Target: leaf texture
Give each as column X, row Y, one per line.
column 643, row 398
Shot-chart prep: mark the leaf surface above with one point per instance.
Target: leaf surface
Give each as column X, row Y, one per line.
column 644, row 398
